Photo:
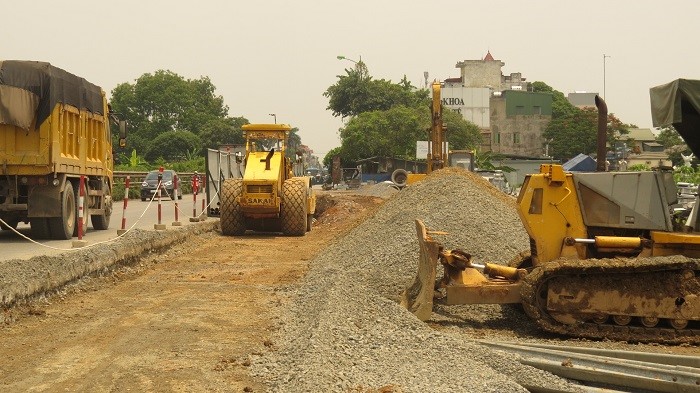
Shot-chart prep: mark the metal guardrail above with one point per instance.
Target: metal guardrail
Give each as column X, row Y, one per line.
column 138, row 176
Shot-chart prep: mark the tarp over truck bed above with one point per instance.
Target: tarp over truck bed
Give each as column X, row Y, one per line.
column 678, row 104
column 30, row 89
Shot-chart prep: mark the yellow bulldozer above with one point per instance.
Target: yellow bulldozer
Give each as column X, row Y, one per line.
column 607, row 258
column 270, row 197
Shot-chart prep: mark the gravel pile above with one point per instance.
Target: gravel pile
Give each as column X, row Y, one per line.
column 343, row 329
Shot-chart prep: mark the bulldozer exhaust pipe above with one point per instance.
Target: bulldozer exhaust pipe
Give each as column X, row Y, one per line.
column 602, row 133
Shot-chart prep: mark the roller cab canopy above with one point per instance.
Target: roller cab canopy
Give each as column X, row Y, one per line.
column 31, row 89
column 677, row 104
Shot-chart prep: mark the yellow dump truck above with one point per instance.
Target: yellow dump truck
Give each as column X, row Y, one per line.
column 54, row 127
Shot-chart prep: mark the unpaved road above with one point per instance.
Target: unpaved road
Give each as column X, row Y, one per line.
column 186, row 320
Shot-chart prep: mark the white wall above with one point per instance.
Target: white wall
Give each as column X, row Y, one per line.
column 471, row 102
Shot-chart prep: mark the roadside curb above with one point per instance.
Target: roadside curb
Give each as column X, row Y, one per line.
column 24, row 280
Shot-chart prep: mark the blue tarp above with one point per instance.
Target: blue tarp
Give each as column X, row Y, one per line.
column 580, row 163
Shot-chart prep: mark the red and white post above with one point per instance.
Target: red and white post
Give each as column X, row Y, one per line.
column 126, row 202
column 195, row 190
column 203, row 216
column 159, row 226
column 177, row 222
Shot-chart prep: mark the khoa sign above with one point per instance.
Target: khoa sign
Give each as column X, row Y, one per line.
column 453, row 101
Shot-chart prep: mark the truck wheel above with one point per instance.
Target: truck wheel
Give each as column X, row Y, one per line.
column 293, row 211
column 232, row 220
column 101, row 221
column 40, row 228
column 399, row 177
column 62, row 227
column 10, row 224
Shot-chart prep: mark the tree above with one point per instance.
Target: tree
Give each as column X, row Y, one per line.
column 163, row 102
column 574, row 131
column 225, row 131
column 386, row 119
column 357, row 92
column 173, row 146
column 670, row 138
column 328, row 158
column 560, row 104
column 394, row 132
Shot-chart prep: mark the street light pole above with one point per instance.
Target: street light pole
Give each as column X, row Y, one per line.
column 604, row 57
column 275, row 116
column 358, row 64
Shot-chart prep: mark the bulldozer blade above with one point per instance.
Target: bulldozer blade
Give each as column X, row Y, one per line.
column 418, row 297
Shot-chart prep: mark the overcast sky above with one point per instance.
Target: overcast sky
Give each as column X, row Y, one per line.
column 279, row 57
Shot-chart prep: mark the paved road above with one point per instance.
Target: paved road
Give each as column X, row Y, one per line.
column 139, row 214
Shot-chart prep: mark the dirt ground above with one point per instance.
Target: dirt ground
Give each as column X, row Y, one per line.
column 185, row 320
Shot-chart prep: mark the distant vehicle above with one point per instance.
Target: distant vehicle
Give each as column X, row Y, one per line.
column 150, row 185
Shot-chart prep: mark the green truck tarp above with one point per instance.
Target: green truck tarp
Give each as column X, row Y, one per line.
column 677, row 104
column 30, row 89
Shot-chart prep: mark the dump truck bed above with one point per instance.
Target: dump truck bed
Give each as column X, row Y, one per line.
column 51, row 121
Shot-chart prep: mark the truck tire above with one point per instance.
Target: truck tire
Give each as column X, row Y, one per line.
column 40, row 228
column 293, row 210
column 232, row 220
column 101, row 221
column 11, row 224
column 62, row 228
column 399, row 177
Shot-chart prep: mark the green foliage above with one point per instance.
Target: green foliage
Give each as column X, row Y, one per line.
column 386, row 119
column 485, row 160
column 357, row 93
column 674, row 144
column 190, row 165
column 669, row 137
column 394, row 132
column 293, row 143
column 686, row 174
column 328, row 158
column 576, row 132
column 560, row 104
column 174, row 145
column 382, row 133
column 573, row 130
column 165, row 102
column 639, row 168
column 221, row 132
column 461, row 134
column 134, row 162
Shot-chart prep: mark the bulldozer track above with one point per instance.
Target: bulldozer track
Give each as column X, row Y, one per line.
column 232, row 220
column 535, row 285
column 293, row 209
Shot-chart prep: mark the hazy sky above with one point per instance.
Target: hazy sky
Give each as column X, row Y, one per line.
column 279, row 56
